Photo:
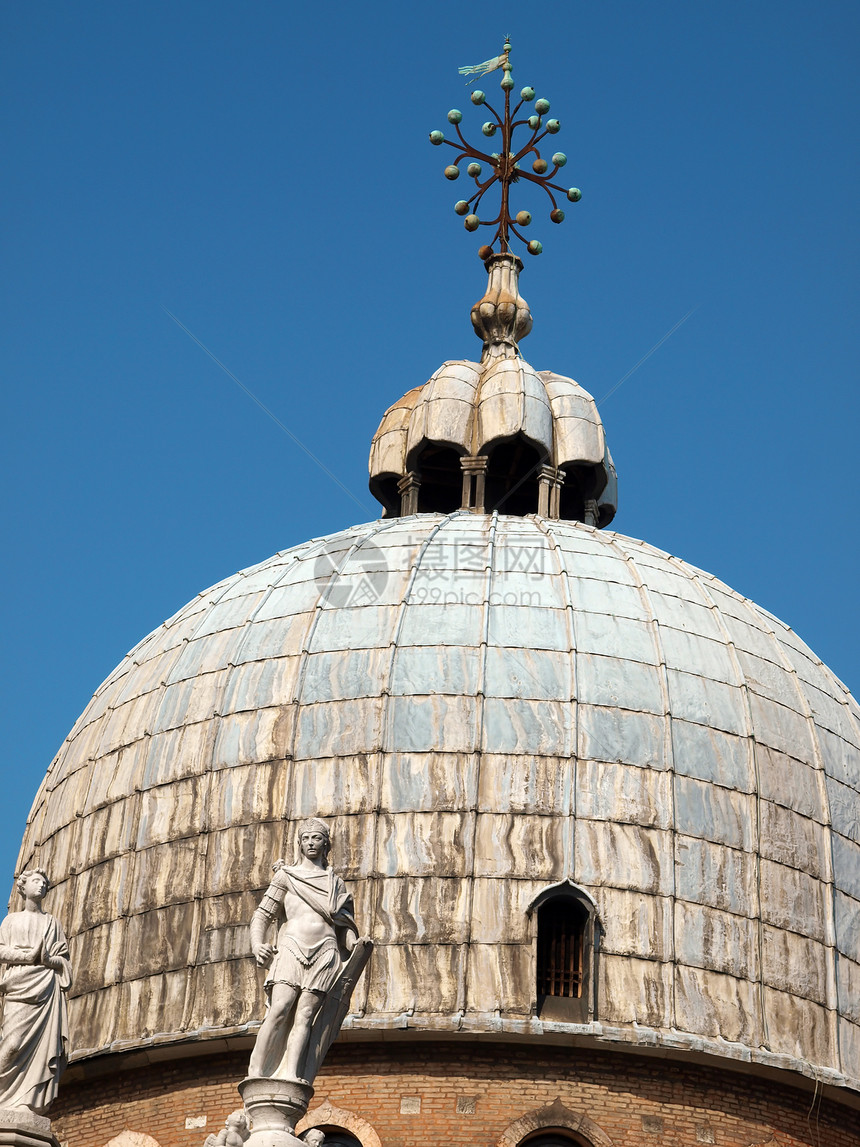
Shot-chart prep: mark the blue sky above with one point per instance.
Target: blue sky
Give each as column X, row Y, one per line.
column 263, row 172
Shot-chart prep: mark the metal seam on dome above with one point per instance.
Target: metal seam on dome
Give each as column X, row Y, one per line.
column 372, row 529
column 133, row 797
column 669, row 749
column 363, row 988
column 481, row 706
column 838, row 953
column 564, row 582
column 753, row 741
column 827, row 826
column 210, row 772
column 786, row 649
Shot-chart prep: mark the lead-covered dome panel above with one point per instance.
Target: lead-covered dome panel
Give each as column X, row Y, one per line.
column 481, row 707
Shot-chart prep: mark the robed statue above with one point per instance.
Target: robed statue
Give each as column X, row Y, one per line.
column 34, row 1034
column 313, row 965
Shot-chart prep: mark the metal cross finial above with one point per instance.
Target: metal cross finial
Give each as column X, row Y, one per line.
column 504, row 165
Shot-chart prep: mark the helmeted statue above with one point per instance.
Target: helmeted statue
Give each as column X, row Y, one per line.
column 34, row 1034
column 312, row 969
column 315, row 918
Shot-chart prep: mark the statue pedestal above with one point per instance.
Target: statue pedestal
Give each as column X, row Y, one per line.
column 274, row 1107
column 19, row 1127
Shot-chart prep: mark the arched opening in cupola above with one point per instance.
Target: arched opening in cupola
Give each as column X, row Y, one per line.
column 441, row 478
column 512, row 476
column 578, row 482
column 384, row 489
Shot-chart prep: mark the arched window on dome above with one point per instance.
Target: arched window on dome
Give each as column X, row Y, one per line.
column 566, row 935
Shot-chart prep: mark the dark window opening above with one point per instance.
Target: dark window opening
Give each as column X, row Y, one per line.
column 552, row 1138
column 561, row 932
column 441, row 489
column 385, row 491
column 337, row 1137
column 565, row 926
column 512, row 478
column 573, row 494
column 580, row 483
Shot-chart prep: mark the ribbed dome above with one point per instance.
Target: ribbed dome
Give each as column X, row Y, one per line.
column 468, row 410
column 482, row 707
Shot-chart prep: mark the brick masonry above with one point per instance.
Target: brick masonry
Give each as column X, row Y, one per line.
column 443, row 1093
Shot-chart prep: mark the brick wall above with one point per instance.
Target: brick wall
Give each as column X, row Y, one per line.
column 458, row 1096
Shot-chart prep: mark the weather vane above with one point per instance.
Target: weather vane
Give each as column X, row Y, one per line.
column 505, row 165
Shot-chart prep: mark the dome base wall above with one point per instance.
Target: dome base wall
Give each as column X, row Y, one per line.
column 399, row 1094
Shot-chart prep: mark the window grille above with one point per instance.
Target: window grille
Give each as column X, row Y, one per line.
column 561, row 930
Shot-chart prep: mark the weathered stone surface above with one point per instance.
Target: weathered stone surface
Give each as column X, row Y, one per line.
column 719, row 941
column 469, row 749
column 712, row 874
column 624, row 856
column 641, row 988
column 719, row 814
column 500, row 979
column 798, row 965
column 620, row 792
column 713, row 1004
column 635, row 925
column 799, row 1028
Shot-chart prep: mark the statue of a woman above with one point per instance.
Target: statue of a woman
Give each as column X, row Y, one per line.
column 34, row 1034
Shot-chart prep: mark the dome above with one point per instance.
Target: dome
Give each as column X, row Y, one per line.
column 485, row 708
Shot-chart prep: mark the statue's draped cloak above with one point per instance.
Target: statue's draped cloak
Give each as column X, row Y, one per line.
column 326, row 894
column 34, row 1035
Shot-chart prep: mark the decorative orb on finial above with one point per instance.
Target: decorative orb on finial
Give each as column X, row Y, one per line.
column 506, row 166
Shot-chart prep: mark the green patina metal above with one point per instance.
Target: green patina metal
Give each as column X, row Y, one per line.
column 505, row 165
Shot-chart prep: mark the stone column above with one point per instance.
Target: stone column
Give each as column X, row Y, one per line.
column 407, row 487
column 546, row 478
column 474, row 482
column 555, row 495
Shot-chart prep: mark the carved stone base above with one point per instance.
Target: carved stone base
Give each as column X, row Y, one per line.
column 274, row 1107
column 19, row 1127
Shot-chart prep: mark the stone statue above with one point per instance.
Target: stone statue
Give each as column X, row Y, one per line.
column 34, row 1034
column 313, row 968
column 234, row 1133
column 314, row 1137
